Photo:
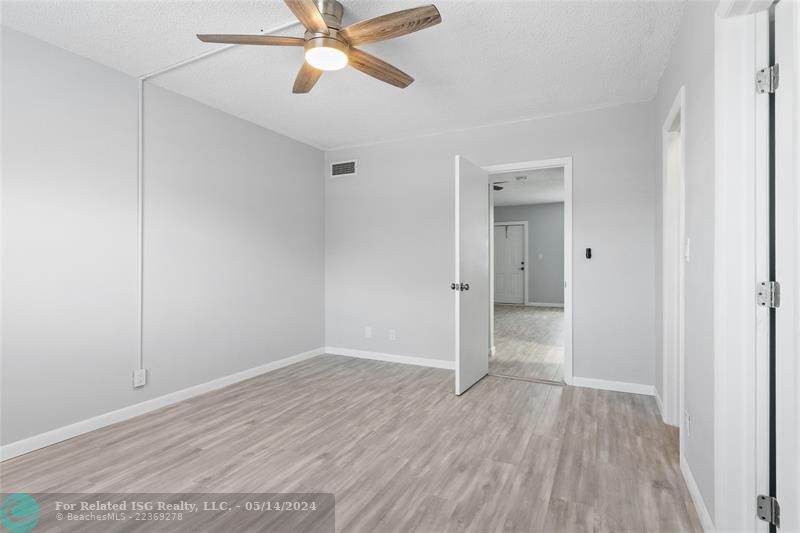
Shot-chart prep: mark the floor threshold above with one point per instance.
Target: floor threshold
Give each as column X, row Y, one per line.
column 530, row 380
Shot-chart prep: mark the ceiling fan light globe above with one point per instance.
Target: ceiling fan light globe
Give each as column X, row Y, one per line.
column 326, row 52
column 326, row 58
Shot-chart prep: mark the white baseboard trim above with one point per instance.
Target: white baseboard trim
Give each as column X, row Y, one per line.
column 618, row 386
column 54, row 436
column 542, row 304
column 391, row 358
column 697, row 498
column 659, row 404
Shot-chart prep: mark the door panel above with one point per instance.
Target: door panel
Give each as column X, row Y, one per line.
column 509, row 266
column 472, row 270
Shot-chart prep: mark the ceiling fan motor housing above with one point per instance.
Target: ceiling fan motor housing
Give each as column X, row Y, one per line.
column 332, row 11
column 320, row 40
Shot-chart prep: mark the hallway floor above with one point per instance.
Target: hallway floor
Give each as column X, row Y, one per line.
column 529, row 342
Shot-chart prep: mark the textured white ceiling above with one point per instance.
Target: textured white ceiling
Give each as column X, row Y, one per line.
column 543, row 186
column 489, row 61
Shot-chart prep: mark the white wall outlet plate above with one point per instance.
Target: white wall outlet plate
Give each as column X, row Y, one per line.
column 139, row 378
column 392, row 335
column 367, row 332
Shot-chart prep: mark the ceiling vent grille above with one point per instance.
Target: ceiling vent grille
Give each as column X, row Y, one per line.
column 346, row 168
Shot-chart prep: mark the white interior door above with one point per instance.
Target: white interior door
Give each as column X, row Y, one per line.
column 787, row 263
column 509, row 263
column 471, row 292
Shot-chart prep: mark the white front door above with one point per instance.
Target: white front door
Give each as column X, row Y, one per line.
column 509, row 263
column 471, row 281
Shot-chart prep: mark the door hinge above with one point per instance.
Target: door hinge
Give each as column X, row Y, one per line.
column 768, row 510
column 767, row 79
column 769, row 294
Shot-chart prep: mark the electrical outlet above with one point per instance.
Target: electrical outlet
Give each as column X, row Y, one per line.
column 687, row 422
column 367, row 332
column 139, row 378
column 392, row 335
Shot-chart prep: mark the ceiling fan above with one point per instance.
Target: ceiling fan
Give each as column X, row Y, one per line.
column 496, row 185
column 329, row 46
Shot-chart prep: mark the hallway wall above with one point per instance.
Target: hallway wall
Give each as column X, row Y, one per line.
column 692, row 65
column 545, row 268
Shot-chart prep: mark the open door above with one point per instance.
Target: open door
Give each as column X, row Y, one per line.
column 471, row 282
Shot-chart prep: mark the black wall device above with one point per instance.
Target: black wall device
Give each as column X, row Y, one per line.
column 588, row 253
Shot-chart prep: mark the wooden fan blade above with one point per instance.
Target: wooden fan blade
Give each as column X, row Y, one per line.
column 308, row 14
column 379, row 69
column 269, row 40
column 306, row 79
column 392, row 25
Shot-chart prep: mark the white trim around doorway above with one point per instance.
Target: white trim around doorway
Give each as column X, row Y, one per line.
column 673, row 224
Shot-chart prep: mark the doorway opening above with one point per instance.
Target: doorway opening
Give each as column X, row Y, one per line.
column 530, row 270
column 675, row 252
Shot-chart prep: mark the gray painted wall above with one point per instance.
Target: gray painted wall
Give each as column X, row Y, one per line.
column 692, row 65
column 389, row 237
column 233, row 268
column 545, row 238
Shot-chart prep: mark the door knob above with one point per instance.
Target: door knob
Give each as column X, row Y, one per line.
column 465, row 286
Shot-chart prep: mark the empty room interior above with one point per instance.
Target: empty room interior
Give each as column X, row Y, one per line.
column 377, row 266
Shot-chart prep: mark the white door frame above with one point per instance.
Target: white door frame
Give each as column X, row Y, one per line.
column 673, row 220
column 741, row 337
column 566, row 164
column 524, row 224
column 787, row 261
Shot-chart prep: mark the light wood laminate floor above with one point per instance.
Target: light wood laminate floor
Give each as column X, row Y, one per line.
column 398, row 449
column 529, row 342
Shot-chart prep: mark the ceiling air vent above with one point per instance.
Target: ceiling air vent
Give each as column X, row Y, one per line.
column 346, row 168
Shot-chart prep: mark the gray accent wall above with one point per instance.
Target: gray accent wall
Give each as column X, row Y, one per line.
column 692, row 65
column 233, row 241
column 389, row 237
column 545, row 266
